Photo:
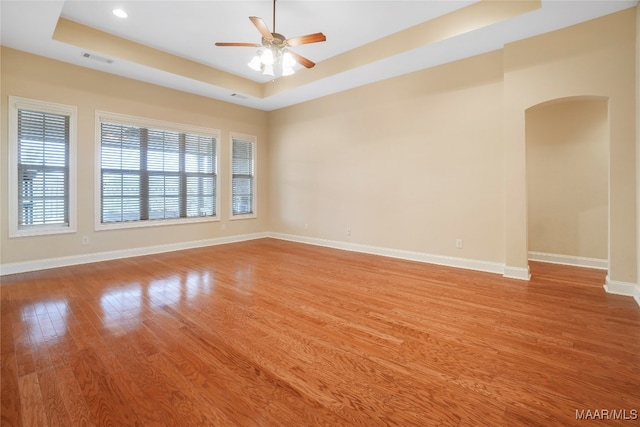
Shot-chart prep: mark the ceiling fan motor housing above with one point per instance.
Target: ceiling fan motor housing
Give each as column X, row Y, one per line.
column 278, row 41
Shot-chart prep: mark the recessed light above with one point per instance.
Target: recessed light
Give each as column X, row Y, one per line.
column 120, row 13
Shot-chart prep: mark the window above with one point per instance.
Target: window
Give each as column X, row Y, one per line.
column 243, row 202
column 42, row 146
column 154, row 172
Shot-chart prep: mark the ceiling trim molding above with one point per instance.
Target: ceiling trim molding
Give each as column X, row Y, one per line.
column 85, row 37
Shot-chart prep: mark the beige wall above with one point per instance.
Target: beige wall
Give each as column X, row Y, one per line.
column 39, row 78
column 411, row 163
column 420, row 160
column 596, row 58
column 567, row 177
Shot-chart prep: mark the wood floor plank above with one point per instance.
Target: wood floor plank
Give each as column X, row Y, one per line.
column 10, row 405
column 32, row 405
column 22, row 346
column 268, row 332
column 154, row 404
column 106, row 402
column 7, row 345
column 53, row 401
column 187, row 401
column 74, row 401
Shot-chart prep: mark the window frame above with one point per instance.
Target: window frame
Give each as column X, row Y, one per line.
column 19, row 103
column 253, row 140
column 142, row 122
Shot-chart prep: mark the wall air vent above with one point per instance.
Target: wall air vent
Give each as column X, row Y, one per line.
column 97, row 58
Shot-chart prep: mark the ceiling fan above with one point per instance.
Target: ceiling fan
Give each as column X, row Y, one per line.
column 275, row 48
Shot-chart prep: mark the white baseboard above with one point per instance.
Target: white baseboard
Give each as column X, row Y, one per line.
column 623, row 288
column 577, row 261
column 22, row 267
column 465, row 263
column 611, row 286
column 519, row 273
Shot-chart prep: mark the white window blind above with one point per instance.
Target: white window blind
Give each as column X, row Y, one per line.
column 43, row 169
column 154, row 174
column 242, row 181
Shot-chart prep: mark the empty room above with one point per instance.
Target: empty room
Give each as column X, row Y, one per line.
column 320, row 213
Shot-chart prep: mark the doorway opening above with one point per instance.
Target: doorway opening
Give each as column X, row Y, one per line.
column 567, row 142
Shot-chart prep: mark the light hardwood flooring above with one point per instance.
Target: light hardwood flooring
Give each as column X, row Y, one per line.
column 274, row 333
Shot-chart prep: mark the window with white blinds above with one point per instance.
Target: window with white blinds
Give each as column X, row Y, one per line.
column 149, row 173
column 42, row 136
column 243, row 176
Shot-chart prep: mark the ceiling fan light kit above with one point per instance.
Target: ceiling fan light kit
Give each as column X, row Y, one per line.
column 274, row 54
column 264, row 62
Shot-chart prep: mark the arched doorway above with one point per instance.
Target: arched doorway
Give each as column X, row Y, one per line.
column 567, row 142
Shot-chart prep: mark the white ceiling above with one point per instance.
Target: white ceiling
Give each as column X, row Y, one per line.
column 189, row 29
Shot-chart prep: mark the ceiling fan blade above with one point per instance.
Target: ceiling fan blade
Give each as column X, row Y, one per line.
column 238, row 44
column 262, row 27
column 302, row 60
column 309, row 38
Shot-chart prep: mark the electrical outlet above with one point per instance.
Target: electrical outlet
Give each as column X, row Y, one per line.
column 459, row 243
column 85, row 240
column 223, row 227
column 306, row 227
column 348, row 232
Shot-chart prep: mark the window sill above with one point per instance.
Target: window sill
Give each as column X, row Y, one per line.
column 243, row 216
column 41, row 231
column 154, row 223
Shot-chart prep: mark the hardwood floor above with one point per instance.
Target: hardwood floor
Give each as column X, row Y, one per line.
column 269, row 332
